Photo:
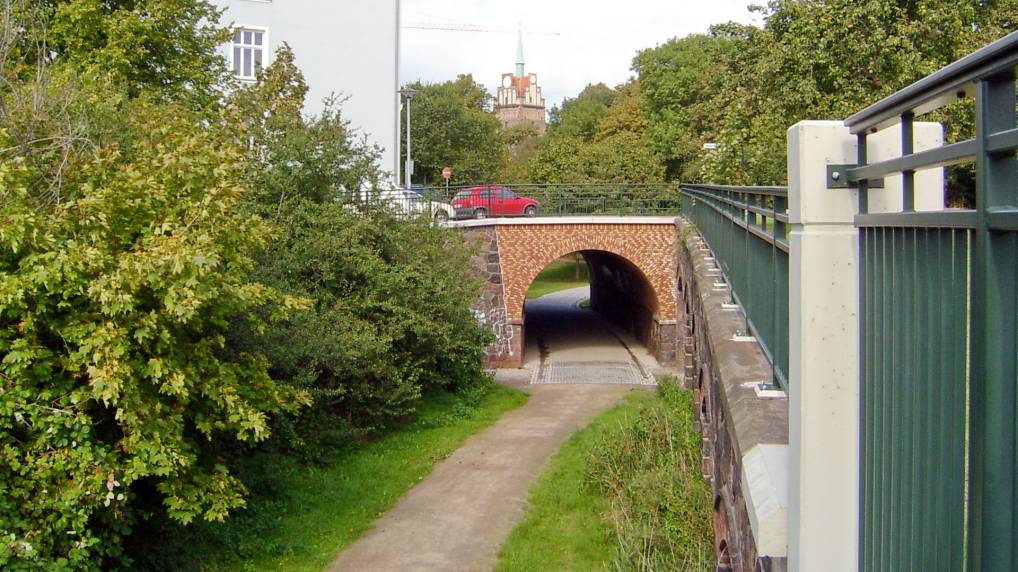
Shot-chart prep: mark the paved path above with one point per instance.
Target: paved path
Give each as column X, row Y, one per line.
column 459, row 516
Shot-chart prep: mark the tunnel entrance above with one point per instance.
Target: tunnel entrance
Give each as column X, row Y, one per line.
column 593, row 308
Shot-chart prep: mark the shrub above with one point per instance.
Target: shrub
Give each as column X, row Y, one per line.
column 114, row 305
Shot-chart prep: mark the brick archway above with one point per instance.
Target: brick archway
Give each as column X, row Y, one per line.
column 511, row 252
column 524, row 250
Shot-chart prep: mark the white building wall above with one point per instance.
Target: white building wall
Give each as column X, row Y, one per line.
column 346, row 47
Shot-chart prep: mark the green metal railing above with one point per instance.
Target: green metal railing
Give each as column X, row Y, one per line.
column 620, row 199
column 746, row 229
column 939, row 327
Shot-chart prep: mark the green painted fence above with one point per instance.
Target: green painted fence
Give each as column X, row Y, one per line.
column 746, row 229
column 939, row 323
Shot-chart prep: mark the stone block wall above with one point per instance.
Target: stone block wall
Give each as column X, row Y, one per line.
column 490, row 308
column 723, row 369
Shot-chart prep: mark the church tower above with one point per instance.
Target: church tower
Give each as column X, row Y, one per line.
column 519, row 100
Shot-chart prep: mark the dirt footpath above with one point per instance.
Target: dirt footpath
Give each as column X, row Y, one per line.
column 459, row 516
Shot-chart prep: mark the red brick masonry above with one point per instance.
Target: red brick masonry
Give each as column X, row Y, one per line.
column 525, row 250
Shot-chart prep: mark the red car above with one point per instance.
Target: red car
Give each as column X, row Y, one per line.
column 482, row 202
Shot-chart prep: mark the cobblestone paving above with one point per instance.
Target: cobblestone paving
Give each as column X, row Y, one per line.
column 593, row 372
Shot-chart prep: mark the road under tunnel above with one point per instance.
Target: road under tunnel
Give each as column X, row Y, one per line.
column 600, row 332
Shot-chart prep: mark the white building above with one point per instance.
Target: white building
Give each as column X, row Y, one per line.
column 346, row 47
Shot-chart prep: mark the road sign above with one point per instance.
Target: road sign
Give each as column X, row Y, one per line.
column 447, row 173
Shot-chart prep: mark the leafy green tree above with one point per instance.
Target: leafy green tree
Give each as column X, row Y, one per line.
column 595, row 142
column 453, row 125
column 391, row 293
column 742, row 87
column 319, row 158
column 114, row 308
column 164, row 47
column 579, row 117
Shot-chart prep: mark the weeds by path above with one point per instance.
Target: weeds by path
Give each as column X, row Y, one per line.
column 625, row 493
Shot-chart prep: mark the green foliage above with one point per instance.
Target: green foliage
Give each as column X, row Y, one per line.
column 623, row 493
column 561, row 274
column 166, row 298
column 391, row 294
column 114, row 306
column 649, row 468
column 453, row 125
column 598, row 137
column 299, row 517
column 318, row 159
column 579, row 117
column 742, row 87
column 391, row 311
column 164, row 47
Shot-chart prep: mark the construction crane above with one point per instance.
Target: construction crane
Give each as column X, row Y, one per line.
column 455, row 27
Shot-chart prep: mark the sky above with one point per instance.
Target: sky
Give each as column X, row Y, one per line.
column 596, row 43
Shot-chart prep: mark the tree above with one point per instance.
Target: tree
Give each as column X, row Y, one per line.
column 367, row 348
column 592, row 141
column 579, row 117
column 125, row 259
column 453, row 125
column 114, row 307
column 742, row 87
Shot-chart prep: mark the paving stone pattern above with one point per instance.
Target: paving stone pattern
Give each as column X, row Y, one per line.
column 610, row 372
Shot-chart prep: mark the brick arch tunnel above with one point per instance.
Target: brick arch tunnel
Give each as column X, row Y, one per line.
column 632, row 263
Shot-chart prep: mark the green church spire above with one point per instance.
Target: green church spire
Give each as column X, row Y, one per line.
column 519, row 53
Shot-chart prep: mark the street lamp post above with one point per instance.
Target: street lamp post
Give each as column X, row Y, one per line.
column 408, row 93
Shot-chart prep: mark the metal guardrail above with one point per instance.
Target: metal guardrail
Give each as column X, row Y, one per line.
column 528, row 200
column 939, row 301
column 746, row 228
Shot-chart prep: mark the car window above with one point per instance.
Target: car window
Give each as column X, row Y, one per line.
column 484, row 194
column 506, row 194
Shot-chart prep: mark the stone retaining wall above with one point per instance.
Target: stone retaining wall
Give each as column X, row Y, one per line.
column 744, row 435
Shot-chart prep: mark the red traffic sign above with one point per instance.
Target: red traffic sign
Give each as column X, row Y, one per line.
column 447, row 173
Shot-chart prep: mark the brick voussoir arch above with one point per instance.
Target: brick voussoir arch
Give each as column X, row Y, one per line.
column 526, row 249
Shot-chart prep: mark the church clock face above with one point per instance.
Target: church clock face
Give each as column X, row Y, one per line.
column 507, row 81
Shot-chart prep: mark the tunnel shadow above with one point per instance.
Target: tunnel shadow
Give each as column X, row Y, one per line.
column 611, row 317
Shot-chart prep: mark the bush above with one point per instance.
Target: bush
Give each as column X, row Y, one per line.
column 114, row 305
column 391, row 293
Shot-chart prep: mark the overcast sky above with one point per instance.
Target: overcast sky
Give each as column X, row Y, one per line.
column 597, row 40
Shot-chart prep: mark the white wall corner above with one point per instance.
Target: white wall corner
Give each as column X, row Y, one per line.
column 765, row 488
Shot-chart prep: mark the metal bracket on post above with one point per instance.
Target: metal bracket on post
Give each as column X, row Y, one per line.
column 838, row 178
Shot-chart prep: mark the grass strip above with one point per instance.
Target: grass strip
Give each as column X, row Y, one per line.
column 557, row 276
column 624, row 493
column 314, row 512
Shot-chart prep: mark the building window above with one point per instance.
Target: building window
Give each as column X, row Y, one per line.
column 248, row 52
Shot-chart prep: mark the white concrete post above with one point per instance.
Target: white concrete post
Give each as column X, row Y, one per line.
column 823, row 398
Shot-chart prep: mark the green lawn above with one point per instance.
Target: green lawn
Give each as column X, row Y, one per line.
column 562, row 528
column 557, row 276
column 314, row 512
column 624, row 493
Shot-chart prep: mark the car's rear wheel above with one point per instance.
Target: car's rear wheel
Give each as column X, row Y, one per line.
column 441, row 215
column 480, row 213
column 531, row 210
